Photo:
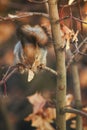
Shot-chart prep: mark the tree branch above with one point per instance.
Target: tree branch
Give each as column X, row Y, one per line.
column 60, row 64
column 19, row 15
column 76, row 52
column 22, row 15
column 8, row 76
column 75, row 111
column 77, row 93
column 79, row 20
column 48, row 69
column 18, row 67
column 38, row 2
column 67, row 5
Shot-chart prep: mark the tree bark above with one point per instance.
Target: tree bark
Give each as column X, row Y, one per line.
column 60, row 63
column 77, row 94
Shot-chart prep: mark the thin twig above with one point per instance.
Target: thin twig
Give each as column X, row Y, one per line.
column 43, row 67
column 76, row 52
column 79, row 20
column 38, row 2
column 7, row 72
column 64, row 18
column 8, row 76
column 81, row 44
column 75, row 111
column 81, row 53
column 73, row 17
column 67, row 5
column 11, row 70
column 50, row 70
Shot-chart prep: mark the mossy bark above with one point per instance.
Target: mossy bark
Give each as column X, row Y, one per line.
column 60, row 63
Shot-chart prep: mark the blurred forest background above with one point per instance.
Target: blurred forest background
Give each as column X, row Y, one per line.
column 43, row 84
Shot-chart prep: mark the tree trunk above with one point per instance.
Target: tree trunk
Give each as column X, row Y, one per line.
column 60, row 63
column 77, row 94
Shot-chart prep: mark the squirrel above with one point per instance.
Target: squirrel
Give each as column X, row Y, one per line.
column 31, row 49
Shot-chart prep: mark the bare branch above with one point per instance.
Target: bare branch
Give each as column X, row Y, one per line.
column 67, row 5
column 77, row 93
column 79, row 20
column 22, row 15
column 48, row 69
column 18, row 67
column 19, row 15
column 64, row 18
column 81, row 53
column 76, row 52
column 11, row 70
column 38, row 2
column 8, row 76
column 75, row 111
